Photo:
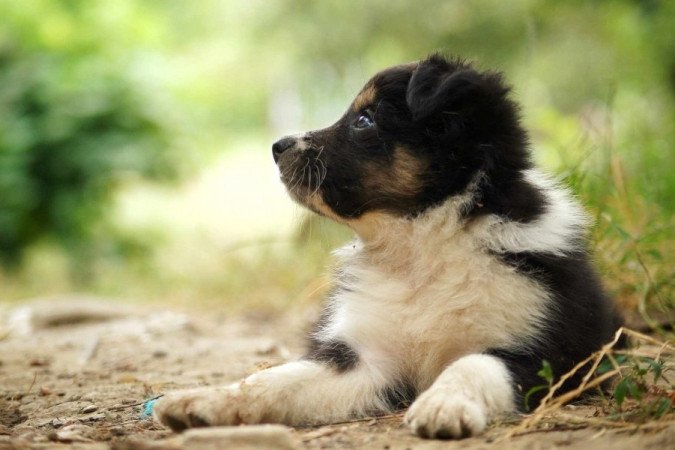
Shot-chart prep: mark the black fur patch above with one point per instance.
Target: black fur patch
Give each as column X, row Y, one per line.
column 399, row 396
column 334, row 353
column 575, row 327
column 510, row 197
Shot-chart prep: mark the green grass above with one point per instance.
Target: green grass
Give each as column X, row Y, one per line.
column 632, row 237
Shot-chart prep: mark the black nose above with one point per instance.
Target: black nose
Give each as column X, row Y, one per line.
column 281, row 146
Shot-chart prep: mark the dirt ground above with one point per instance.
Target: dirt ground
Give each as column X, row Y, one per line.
column 75, row 374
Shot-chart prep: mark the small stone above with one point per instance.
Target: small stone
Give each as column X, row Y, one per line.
column 38, row 362
column 72, row 433
column 246, row 437
column 160, row 354
column 57, row 423
column 44, row 390
column 118, row 431
column 95, row 418
column 89, row 409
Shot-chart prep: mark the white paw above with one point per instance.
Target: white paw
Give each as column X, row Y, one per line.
column 441, row 413
column 206, row 407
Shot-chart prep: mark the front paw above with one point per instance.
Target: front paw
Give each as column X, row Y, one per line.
column 204, row 407
column 441, row 413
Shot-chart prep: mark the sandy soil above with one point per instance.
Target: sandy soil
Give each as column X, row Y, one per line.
column 75, row 375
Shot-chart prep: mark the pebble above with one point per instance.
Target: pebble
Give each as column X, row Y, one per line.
column 38, row 362
column 57, row 423
column 118, row 431
column 160, row 354
column 248, row 437
column 72, row 433
column 89, row 409
column 95, row 417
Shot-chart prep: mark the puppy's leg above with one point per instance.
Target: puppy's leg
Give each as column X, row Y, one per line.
column 296, row 393
column 463, row 399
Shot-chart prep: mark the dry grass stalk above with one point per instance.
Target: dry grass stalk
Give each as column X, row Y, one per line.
column 551, row 405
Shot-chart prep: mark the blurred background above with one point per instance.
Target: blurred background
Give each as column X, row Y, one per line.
column 135, row 135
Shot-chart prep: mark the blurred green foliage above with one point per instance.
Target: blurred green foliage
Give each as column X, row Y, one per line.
column 74, row 123
column 95, row 95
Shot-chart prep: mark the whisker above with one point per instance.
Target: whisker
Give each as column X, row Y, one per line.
column 302, row 175
column 309, row 185
column 293, row 186
column 324, row 171
column 318, row 178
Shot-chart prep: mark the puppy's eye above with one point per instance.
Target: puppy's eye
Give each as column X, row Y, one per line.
column 365, row 120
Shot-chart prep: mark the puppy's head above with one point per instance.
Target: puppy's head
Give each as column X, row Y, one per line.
column 414, row 136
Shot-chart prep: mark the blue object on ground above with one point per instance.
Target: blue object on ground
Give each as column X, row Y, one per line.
column 147, row 409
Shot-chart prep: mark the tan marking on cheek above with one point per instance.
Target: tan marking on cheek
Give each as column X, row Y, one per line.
column 402, row 179
column 408, row 170
column 365, row 98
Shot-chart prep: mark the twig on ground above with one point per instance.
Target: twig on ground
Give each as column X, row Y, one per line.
column 118, row 408
column 550, row 406
column 32, row 383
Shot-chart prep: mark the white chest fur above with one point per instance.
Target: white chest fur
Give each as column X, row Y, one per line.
column 416, row 294
column 440, row 303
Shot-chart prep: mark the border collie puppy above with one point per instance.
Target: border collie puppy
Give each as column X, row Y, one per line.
column 469, row 268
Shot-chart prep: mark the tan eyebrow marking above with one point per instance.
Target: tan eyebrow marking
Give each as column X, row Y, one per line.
column 365, row 98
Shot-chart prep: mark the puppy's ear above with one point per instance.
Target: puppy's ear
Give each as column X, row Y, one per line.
column 438, row 85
